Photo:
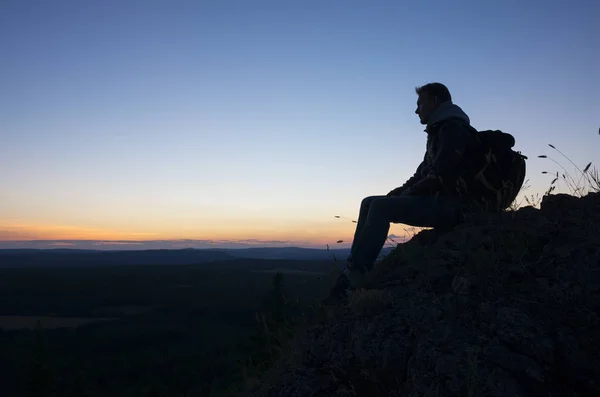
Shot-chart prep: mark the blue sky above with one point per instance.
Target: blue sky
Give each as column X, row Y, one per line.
column 238, row 120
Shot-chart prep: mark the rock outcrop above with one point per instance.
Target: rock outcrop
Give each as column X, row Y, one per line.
column 503, row 305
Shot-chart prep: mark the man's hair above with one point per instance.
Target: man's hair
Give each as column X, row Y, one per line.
column 437, row 90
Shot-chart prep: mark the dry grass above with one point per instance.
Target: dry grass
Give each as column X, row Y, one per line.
column 587, row 181
column 577, row 182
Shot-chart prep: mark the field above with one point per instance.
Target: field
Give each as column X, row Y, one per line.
column 181, row 330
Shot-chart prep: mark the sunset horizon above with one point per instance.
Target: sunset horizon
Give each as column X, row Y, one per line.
column 105, row 239
column 264, row 121
column 130, row 245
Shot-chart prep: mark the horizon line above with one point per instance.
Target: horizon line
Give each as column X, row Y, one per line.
column 164, row 244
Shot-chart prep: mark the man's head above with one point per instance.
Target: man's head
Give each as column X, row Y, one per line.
column 430, row 96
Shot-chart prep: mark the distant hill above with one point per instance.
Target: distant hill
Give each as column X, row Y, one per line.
column 75, row 257
column 187, row 256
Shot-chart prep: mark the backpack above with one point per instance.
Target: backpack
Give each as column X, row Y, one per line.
column 495, row 172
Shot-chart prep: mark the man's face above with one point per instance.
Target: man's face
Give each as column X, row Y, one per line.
column 426, row 105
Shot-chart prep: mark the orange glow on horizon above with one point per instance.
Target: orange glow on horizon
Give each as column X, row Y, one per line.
column 317, row 235
column 65, row 232
column 12, row 232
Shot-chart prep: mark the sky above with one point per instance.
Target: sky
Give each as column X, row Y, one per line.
column 233, row 123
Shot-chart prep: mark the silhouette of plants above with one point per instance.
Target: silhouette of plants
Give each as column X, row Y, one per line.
column 587, row 181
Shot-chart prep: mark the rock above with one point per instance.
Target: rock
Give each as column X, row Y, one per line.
column 504, row 305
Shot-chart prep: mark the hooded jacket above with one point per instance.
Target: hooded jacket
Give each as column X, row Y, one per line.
column 449, row 137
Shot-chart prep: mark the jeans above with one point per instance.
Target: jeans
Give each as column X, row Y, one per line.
column 376, row 213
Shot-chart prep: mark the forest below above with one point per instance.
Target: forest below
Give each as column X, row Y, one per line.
column 141, row 330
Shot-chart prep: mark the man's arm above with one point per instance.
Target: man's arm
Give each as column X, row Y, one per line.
column 418, row 175
column 453, row 141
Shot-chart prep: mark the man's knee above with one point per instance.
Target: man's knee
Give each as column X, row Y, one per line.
column 379, row 209
column 367, row 201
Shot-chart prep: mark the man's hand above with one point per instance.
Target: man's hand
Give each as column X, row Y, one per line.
column 423, row 188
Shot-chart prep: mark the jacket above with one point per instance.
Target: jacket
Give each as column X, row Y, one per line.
column 449, row 138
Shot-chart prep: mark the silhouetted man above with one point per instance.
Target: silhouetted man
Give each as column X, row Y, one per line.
column 429, row 198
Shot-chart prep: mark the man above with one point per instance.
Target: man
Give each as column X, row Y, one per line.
column 430, row 198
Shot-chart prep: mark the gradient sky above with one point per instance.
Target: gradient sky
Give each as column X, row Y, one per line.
column 236, row 120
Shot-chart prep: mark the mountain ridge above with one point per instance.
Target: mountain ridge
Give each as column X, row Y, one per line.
column 73, row 257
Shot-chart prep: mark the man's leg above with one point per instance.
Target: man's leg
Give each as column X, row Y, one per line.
column 362, row 218
column 421, row 211
column 343, row 281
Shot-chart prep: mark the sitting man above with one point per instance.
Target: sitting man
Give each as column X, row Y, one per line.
column 430, row 197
